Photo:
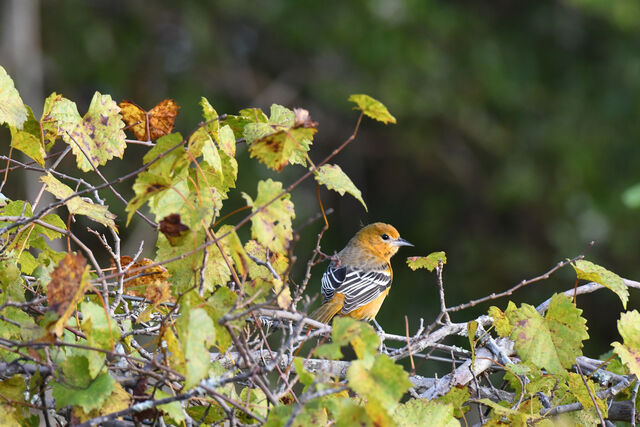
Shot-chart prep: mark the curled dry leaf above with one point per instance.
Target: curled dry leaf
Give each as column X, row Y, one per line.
column 150, row 283
column 303, row 119
column 161, row 119
column 69, row 281
column 173, row 229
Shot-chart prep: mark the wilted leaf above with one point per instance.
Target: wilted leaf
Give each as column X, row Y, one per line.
column 372, row 108
column 271, row 226
column 430, row 262
column 161, row 119
column 98, row 135
column 173, row 229
column 12, row 110
column 79, row 205
column 69, row 281
column 587, row 270
column 629, row 351
column 280, row 139
column 332, row 177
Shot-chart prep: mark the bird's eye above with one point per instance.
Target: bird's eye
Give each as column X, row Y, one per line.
column 385, row 237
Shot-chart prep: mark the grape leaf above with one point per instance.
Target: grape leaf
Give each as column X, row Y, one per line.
column 587, row 270
column 79, row 205
column 161, row 119
column 372, row 108
column 417, row 411
column 95, row 138
column 197, row 334
column 629, row 351
column 28, row 139
column 12, row 110
column 78, row 388
column 271, row 226
column 430, row 262
column 69, row 281
column 332, row 177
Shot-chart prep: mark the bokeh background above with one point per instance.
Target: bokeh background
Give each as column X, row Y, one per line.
column 518, row 122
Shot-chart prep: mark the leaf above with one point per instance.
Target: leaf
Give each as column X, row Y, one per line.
column 580, row 392
column 69, row 281
column 95, row 138
column 102, row 332
column 552, row 342
column 117, row 401
column 587, row 270
column 227, row 140
column 28, row 140
column 173, row 409
column 629, row 352
column 418, row 411
column 271, row 226
column 384, row 381
column 79, row 205
column 217, row 306
column 147, row 185
column 501, row 320
column 173, row 229
column 332, row 177
column 210, row 115
column 12, row 110
column 430, row 262
column 161, row 119
column 372, row 108
column 345, row 331
column 305, row 376
column 77, row 388
column 457, row 397
column 197, row 334
column 280, row 139
column 472, row 327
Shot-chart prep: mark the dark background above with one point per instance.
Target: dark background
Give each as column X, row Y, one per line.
column 517, row 124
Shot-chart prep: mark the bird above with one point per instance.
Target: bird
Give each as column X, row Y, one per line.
column 359, row 277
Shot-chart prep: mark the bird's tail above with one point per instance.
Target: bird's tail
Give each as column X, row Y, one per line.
column 326, row 311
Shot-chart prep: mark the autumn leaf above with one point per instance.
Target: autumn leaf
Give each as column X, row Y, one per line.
column 372, row 108
column 587, row 270
column 161, row 119
column 12, row 110
column 28, row 139
column 173, row 229
column 79, row 205
column 332, row 177
column 629, row 350
column 95, row 138
column 430, row 262
column 69, row 281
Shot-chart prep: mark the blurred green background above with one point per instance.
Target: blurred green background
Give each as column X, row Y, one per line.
column 517, row 124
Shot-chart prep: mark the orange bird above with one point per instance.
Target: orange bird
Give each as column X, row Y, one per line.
column 359, row 278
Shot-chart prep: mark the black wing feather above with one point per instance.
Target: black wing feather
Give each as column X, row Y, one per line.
column 357, row 286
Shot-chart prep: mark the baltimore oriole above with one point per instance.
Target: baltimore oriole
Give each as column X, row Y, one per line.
column 359, row 278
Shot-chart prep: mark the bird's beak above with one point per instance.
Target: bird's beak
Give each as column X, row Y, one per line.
column 401, row 242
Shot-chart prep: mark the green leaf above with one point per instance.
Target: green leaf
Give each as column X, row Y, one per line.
column 305, row 376
column 552, row 342
column 147, row 185
column 346, row 330
column 418, row 411
column 256, row 401
column 587, row 270
column 430, row 262
column 372, row 108
column 174, row 409
column 172, row 162
column 456, row 397
column 631, row 196
column 332, row 177
column 384, row 381
column 197, row 334
column 210, row 115
column 102, row 332
column 271, row 227
column 580, row 392
column 217, row 306
column 227, row 140
column 12, row 110
column 79, row 205
column 77, row 388
column 629, row 352
column 28, row 140
column 98, row 136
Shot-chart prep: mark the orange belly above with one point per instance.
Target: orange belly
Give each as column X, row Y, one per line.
column 370, row 310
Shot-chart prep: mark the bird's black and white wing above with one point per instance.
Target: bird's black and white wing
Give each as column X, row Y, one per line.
column 358, row 287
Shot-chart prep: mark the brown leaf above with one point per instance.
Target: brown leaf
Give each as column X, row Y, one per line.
column 69, row 281
column 151, row 283
column 161, row 119
column 173, row 228
column 303, row 119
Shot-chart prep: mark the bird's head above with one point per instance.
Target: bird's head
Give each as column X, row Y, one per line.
column 381, row 239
